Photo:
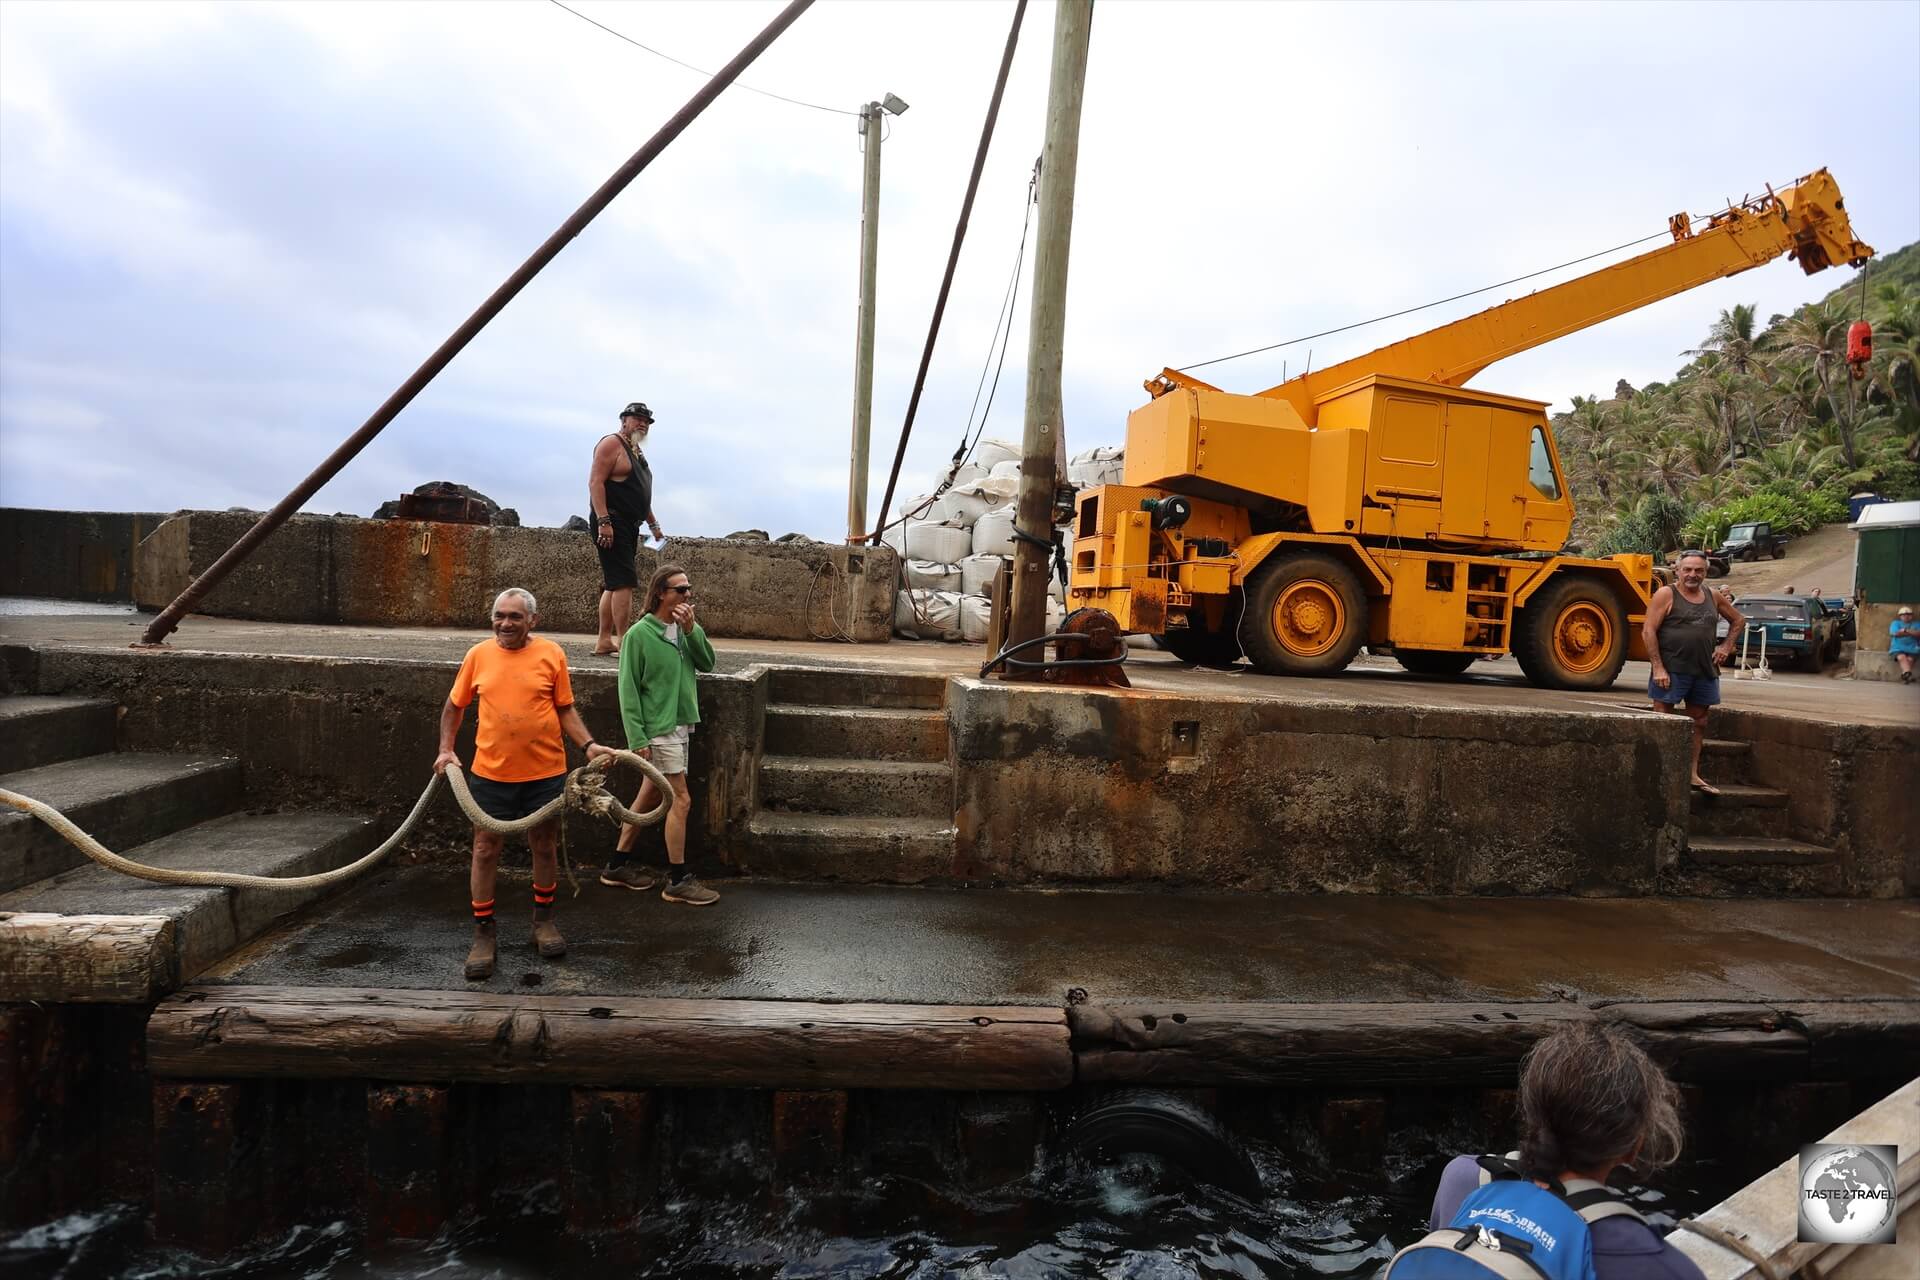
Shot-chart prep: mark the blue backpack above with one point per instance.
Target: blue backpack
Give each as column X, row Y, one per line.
column 1510, row 1228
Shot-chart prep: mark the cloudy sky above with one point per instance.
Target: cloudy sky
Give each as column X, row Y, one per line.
column 229, row 230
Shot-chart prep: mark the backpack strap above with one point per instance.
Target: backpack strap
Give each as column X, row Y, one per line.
column 1593, row 1202
column 1499, row 1168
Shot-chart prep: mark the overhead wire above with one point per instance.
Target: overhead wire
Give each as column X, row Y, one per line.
column 1745, row 203
column 765, row 93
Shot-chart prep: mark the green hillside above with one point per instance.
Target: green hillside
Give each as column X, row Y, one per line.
column 1765, row 422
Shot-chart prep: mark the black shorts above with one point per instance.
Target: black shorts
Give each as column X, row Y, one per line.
column 616, row 562
column 510, row 801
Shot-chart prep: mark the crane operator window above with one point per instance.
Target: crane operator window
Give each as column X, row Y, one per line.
column 1540, row 466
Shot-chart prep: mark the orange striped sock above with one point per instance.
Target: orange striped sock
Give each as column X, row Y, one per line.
column 483, row 911
column 543, row 895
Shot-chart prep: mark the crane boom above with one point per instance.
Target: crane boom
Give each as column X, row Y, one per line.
column 1807, row 220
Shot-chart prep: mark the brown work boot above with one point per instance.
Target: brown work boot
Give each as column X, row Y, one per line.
column 480, row 958
column 546, row 934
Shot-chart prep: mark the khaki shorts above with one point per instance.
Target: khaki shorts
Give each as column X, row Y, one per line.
column 669, row 755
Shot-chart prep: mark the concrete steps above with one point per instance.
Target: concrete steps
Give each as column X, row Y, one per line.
column 71, row 930
column 37, row 731
column 854, row 783
column 120, row 800
column 202, row 924
column 812, row 687
column 875, row 788
column 863, row 850
column 856, row 733
column 1740, row 841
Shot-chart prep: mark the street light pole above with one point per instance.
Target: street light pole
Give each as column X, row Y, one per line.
column 870, row 132
column 1043, row 442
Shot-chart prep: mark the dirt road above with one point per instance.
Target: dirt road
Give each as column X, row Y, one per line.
column 1822, row 559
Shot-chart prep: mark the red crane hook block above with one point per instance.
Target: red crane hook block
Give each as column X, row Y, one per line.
column 1859, row 347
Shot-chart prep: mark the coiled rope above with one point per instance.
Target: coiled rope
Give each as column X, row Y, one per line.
column 585, row 790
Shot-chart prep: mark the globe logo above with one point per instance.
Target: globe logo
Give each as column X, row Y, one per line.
column 1847, row 1194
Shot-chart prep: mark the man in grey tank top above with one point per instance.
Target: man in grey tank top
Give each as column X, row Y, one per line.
column 1686, row 662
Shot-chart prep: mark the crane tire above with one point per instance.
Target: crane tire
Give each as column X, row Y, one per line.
column 1170, row 1128
column 1434, row 662
column 1571, row 635
column 1305, row 615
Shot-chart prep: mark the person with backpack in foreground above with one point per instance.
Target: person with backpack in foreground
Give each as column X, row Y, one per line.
column 1590, row 1102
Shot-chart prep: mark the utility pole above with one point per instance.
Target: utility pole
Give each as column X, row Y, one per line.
column 870, row 132
column 1043, row 443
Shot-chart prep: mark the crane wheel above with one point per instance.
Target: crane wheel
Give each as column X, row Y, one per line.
column 1434, row 662
column 1571, row 635
column 1306, row 615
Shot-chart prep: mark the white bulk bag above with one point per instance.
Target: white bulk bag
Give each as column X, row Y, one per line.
column 988, row 453
column 1006, row 471
column 967, row 473
column 940, row 543
column 993, row 533
column 1056, row 588
column 927, row 615
column 977, row 574
column 927, row 575
column 968, row 504
column 1105, row 465
column 974, row 612
column 1056, row 614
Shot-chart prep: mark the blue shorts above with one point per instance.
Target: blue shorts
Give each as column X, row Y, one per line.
column 511, row 801
column 1695, row 691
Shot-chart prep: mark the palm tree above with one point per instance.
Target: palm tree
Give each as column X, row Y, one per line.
column 1817, row 333
column 1732, row 340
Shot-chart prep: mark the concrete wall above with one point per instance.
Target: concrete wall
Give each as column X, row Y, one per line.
column 71, row 555
column 1056, row 785
column 1871, row 658
column 413, row 573
column 1848, row 787
column 360, row 734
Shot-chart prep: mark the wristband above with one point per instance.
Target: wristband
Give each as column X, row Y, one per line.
column 604, row 520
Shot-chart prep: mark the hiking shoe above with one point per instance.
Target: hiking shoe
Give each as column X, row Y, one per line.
column 631, row 876
column 546, row 936
column 480, row 958
column 689, row 891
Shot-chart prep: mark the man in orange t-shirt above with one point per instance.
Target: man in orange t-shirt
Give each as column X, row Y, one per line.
column 519, row 760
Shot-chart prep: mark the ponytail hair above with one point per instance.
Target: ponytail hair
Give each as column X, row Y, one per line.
column 1590, row 1098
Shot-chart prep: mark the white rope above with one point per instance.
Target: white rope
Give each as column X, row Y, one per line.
column 585, row 790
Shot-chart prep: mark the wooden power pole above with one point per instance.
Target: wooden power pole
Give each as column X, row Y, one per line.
column 1043, row 444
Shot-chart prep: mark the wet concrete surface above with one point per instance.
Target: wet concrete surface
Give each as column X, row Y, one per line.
column 1370, row 681
column 407, row 928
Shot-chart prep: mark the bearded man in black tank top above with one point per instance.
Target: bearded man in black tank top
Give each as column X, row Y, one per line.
column 1680, row 643
column 620, row 494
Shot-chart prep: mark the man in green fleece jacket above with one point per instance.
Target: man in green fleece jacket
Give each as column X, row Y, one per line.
column 660, row 705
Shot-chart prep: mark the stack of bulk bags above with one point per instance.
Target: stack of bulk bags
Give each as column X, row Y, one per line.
column 977, row 574
column 927, row 615
column 930, row 575
column 990, row 453
column 940, row 543
column 993, row 533
column 1105, row 465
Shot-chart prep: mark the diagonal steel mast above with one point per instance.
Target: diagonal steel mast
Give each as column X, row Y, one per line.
column 169, row 618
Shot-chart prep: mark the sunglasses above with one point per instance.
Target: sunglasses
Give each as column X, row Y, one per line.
column 685, row 591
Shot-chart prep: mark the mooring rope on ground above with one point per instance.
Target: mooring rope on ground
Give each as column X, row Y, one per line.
column 585, row 790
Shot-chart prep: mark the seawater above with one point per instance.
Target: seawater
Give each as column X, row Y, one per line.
column 1133, row 1221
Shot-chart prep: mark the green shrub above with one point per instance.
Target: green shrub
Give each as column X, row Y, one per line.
column 1790, row 513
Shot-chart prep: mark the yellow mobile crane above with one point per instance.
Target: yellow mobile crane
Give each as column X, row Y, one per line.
column 1379, row 502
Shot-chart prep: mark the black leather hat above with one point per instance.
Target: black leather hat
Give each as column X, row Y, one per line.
column 637, row 410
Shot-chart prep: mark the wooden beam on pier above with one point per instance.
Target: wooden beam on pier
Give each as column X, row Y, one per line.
column 215, row 1032
column 1384, row 1044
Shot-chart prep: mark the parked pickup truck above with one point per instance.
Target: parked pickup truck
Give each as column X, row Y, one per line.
column 1754, row 542
column 1796, row 627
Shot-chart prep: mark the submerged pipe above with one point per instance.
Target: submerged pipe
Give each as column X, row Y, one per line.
column 169, row 618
